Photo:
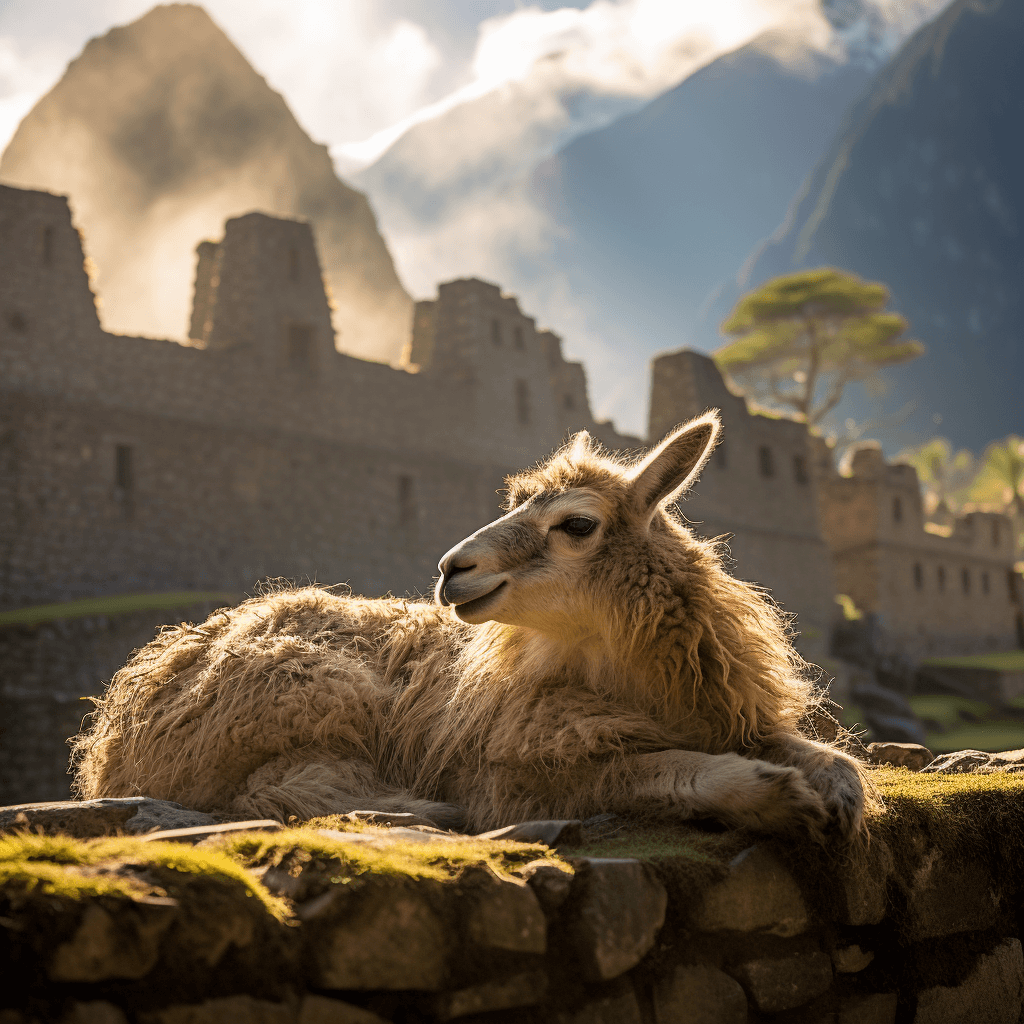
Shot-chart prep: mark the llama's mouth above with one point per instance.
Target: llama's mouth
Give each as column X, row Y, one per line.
column 471, row 611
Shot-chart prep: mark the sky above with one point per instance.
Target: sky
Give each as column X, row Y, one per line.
column 357, row 72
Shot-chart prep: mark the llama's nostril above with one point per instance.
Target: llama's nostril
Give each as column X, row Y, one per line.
column 449, row 567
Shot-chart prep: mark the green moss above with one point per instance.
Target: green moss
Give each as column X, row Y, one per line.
column 443, row 860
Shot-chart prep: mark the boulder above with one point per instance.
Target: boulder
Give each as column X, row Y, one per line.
column 758, row 894
column 321, row 1010
column 97, row 1012
column 243, row 1009
column 900, row 755
column 699, row 994
column 503, row 914
column 617, row 1007
column 615, row 911
column 851, row 959
column 872, row 1008
column 549, row 882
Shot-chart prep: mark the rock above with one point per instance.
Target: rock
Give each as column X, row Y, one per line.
column 550, row 833
column 960, row 761
column 93, row 1013
column 616, row 909
column 901, row 755
column 785, row 984
column 199, row 833
column 864, row 884
column 383, row 936
column 699, row 994
column 240, row 1009
column 86, row 819
column 550, row 883
column 620, row 1007
column 123, row 945
column 874, row 1008
column 945, row 900
column 993, row 992
column 503, row 914
column 758, row 894
column 851, row 959
column 321, row 1010
column 521, row 990
column 398, row 818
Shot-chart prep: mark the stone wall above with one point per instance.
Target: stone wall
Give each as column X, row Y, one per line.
column 946, row 592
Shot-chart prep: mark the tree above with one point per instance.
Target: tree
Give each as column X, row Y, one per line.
column 803, row 337
column 1000, row 482
column 945, row 475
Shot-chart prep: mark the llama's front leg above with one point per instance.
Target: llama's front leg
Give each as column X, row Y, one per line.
column 838, row 778
column 737, row 790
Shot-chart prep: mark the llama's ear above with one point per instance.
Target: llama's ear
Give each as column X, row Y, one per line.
column 676, row 463
column 580, row 445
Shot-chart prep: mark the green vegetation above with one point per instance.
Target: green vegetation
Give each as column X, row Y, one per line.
column 119, row 604
column 998, row 661
column 803, row 337
column 957, row 723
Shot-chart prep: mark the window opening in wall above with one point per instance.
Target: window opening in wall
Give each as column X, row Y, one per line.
column 965, row 580
column 300, row 346
column 918, row 576
column 124, row 472
column 800, row 469
column 995, row 533
column 406, row 501
column 46, row 243
column 765, row 461
column 517, row 337
column 569, row 402
column 293, row 264
column 984, row 582
column 942, row 578
column 721, row 458
column 897, row 510
column 496, row 332
column 17, row 322
column 522, row 401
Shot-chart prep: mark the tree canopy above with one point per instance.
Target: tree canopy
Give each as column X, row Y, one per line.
column 800, row 339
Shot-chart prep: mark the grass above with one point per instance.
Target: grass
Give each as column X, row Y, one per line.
column 118, row 604
column 957, row 723
column 998, row 661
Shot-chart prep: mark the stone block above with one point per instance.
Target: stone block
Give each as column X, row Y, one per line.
column 873, row 1008
column 526, row 989
column 785, row 983
column 993, row 993
column 200, row 833
column 385, row 937
column 233, row 1009
column 506, row 915
column 97, row 1012
column 616, row 909
column 946, row 899
column 851, row 959
column 620, row 1007
column 903, row 755
column 321, row 1010
column 122, row 944
column 758, row 894
column 550, row 833
column 864, row 883
column 699, row 994
column 549, row 882
column 86, row 819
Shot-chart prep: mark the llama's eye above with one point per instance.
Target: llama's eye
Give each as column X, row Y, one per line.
column 578, row 526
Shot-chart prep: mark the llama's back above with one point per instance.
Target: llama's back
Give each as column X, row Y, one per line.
column 201, row 708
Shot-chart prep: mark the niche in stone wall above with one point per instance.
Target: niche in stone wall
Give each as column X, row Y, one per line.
column 522, row 402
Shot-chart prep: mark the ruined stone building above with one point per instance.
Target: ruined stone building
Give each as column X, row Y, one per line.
column 931, row 591
column 137, row 465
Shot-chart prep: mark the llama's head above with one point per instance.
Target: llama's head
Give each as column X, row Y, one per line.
column 582, row 534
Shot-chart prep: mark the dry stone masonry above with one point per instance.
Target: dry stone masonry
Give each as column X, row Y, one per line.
column 372, row 918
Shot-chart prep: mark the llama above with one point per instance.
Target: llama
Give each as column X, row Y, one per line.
column 584, row 653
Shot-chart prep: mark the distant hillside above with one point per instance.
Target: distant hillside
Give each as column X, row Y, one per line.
column 924, row 189
column 160, row 131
